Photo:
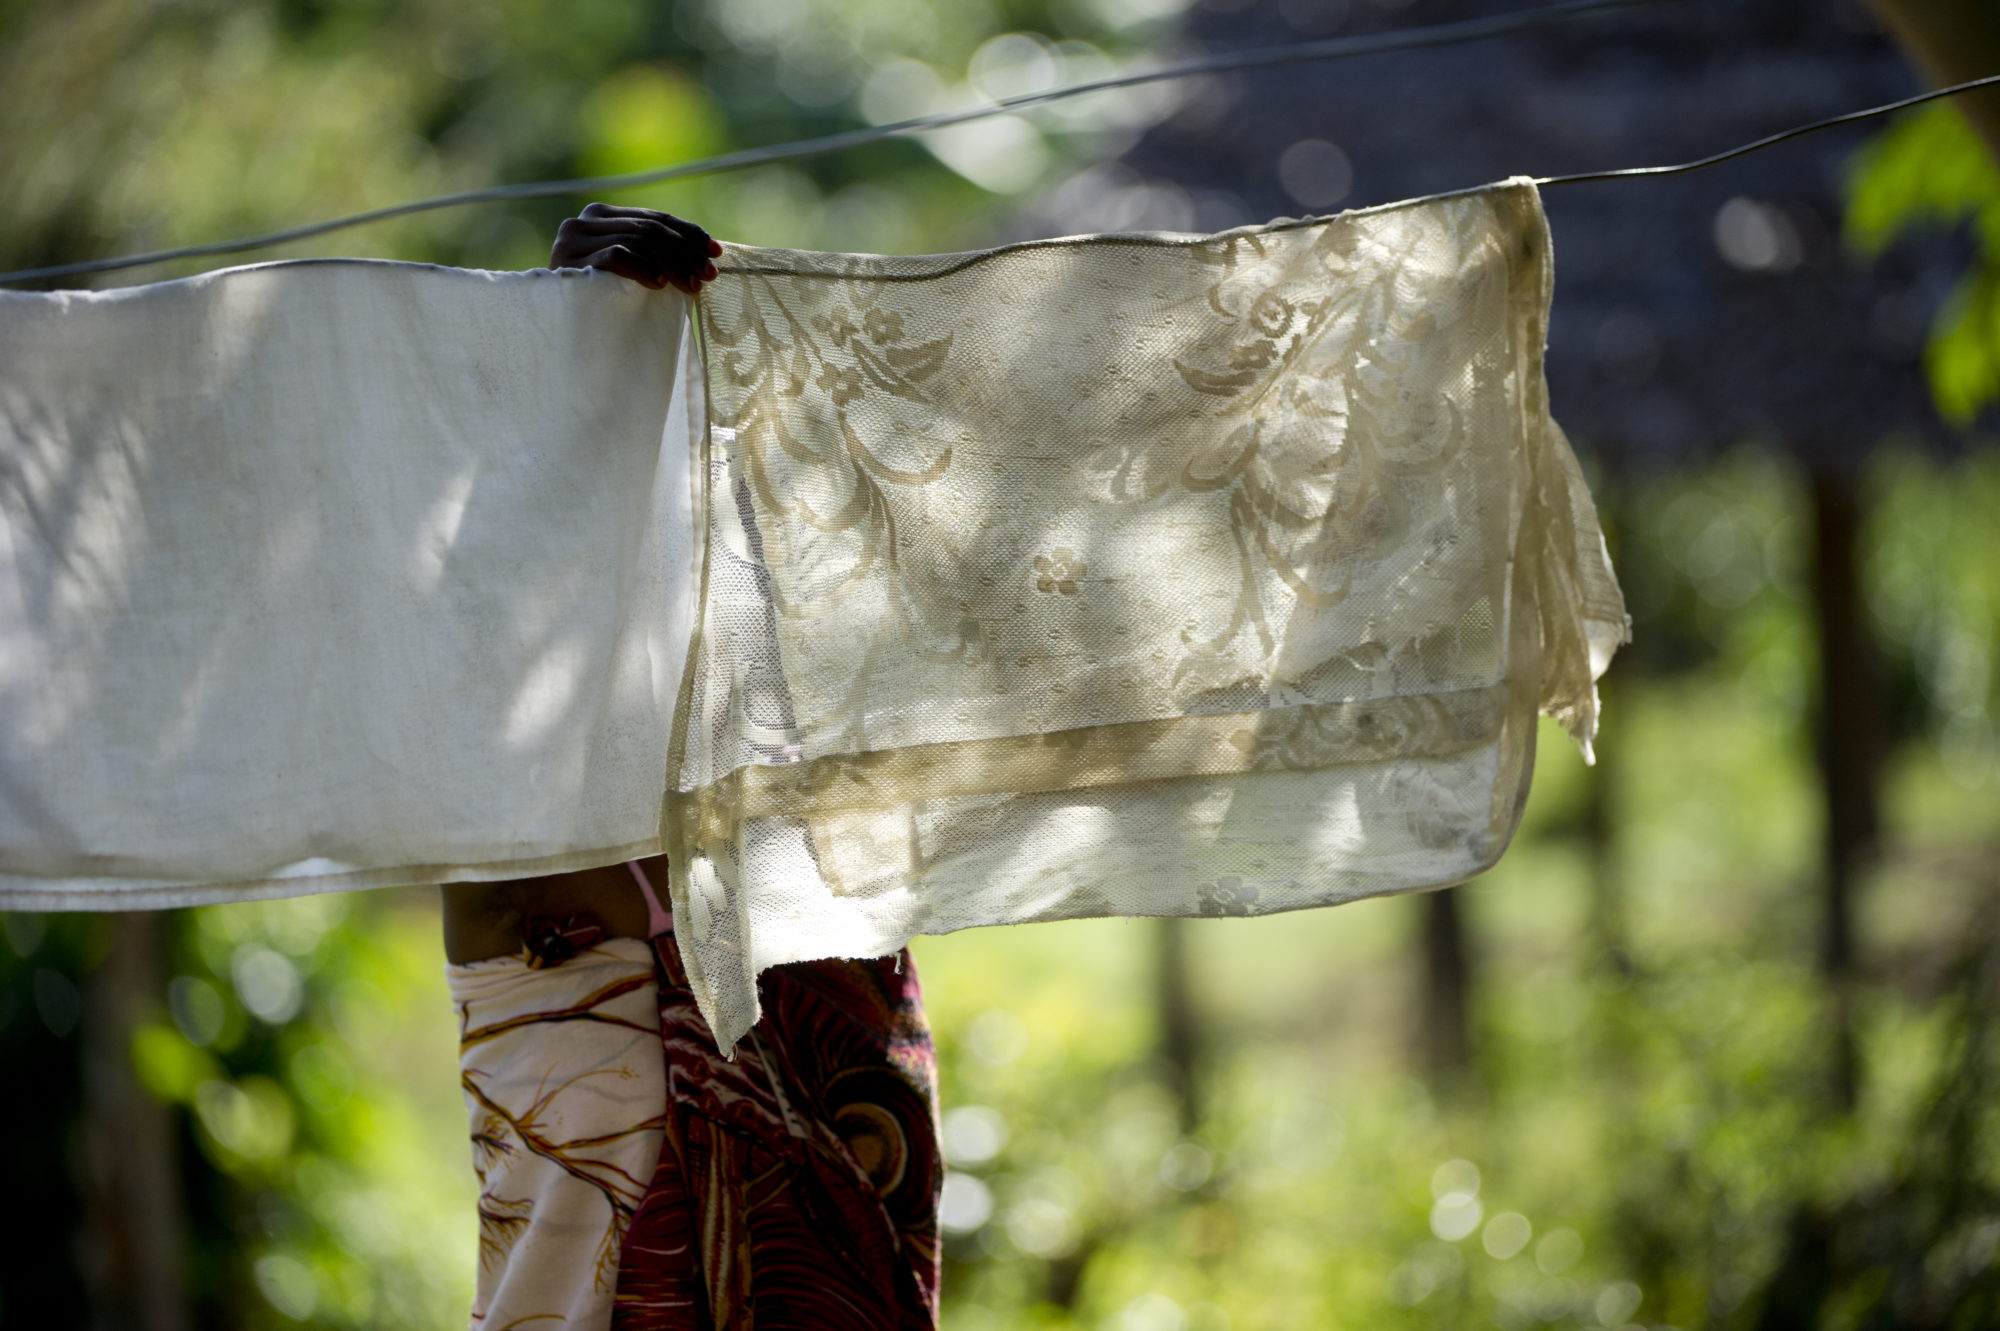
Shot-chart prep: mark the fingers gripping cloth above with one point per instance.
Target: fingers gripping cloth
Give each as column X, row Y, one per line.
column 1146, row 575
column 1124, row 575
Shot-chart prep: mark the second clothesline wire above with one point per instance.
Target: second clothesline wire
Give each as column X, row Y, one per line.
column 1335, row 48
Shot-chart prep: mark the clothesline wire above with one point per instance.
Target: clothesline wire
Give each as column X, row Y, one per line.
column 1330, row 49
column 1770, row 140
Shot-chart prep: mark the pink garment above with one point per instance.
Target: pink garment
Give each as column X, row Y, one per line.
column 658, row 919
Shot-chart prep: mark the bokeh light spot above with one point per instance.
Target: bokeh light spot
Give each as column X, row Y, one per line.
column 1506, row 1234
column 965, row 1204
column 973, row 1134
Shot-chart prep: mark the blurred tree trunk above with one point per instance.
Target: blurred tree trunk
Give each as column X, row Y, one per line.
column 1447, row 1029
column 1608, row 932
column 134, row 1253
column 1953, row 41
column 1600, row 809
column 1849, row 748
column 1180, row 1032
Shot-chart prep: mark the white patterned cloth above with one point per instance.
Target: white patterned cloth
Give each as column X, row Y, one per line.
column 565, row 1089
column 1125, row 575
column 1144, row 575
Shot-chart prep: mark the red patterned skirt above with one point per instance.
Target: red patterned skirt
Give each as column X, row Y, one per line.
column 797, row 1187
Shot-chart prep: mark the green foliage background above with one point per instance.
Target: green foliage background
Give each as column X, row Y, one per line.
column 1646, row 1138
column 1931, row 169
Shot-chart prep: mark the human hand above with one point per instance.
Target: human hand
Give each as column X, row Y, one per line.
column 652, row 248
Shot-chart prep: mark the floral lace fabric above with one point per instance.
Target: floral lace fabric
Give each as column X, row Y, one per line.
column 1138, row 575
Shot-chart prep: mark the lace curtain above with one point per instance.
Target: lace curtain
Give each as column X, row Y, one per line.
column 1123, row 575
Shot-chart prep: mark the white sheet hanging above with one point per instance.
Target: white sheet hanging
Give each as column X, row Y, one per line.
column 337, row 574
